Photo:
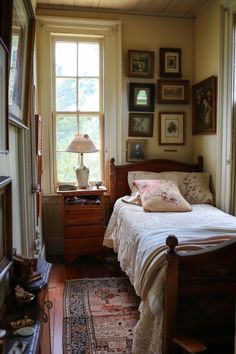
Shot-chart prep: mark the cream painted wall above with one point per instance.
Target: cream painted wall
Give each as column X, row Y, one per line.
column 207, row 55
column 151, row 33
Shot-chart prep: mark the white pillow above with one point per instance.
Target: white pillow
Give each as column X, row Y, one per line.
column 194, row 186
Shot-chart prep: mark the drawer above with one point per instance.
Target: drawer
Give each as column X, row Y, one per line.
column 84, row 217
column 80, row 246
column 84, row 231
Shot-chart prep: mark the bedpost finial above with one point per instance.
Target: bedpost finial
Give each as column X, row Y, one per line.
column 172, row 242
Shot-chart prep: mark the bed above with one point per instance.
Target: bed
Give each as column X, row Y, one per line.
column 180, row 262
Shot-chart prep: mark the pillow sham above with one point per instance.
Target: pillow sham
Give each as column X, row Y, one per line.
column 161, row 195
column 194, row 186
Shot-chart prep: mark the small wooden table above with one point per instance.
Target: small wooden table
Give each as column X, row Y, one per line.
column 83, row 216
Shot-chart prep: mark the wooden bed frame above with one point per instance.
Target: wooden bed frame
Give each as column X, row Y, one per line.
column 118, row 174
column 200, row 287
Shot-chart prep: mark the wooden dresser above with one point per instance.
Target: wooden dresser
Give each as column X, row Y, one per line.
column 83, row 217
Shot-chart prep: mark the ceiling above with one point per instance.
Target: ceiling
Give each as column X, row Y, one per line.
column 178, row 8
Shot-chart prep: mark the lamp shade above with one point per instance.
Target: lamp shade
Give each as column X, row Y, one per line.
column 81, row 144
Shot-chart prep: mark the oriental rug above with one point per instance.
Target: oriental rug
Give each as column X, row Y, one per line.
column 99, row 316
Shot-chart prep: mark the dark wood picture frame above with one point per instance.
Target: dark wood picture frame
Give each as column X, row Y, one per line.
column 141, row 97
column 141, row 124
column 4, row 117
column 171, row 128
column 5, row 225
column 6, row 21
column 170, row 62
column 173, row 91
column 140, row 63
column 21, row 62
column 204, row 106
column 136, row 150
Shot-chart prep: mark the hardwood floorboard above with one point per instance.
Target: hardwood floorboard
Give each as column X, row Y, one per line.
column 83, row 267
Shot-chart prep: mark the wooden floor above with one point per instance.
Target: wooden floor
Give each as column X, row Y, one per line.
column 83, row 267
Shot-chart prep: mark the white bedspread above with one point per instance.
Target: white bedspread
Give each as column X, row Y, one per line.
column 135, row 234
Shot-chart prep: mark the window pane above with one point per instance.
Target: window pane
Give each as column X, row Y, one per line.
column 90, row 125
column 88, row 95
column 88, row 60
column 65, row 95
column 66, row 128
column 66, row 53
column 65, row 163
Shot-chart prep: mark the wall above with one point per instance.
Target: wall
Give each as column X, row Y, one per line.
column 146, row 33
column 140, row 33
column 207, row 56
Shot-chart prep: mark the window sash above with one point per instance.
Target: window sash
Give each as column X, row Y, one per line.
column 99, row 113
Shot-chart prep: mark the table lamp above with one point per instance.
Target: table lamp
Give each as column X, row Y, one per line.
column 81, row 144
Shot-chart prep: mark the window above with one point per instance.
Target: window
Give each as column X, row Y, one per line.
column 78, row 104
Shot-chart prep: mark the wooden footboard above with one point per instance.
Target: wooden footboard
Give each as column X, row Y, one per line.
column 118, row 174
column 200, row 293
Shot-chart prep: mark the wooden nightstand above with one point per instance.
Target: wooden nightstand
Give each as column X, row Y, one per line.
column 83, row 216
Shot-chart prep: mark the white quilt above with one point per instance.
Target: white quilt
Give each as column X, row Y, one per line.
column 135, row 234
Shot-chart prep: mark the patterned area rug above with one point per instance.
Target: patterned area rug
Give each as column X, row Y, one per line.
column 99, row 316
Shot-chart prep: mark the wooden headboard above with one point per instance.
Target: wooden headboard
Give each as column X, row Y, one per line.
column 119, row 174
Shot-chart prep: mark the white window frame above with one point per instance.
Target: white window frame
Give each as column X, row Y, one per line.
column 98, row 39
column 111, row 32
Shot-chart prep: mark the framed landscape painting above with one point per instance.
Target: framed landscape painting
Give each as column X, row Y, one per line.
column 141, row 97
column 173, row 91
column 140, row 63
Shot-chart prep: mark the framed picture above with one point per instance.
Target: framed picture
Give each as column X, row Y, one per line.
column 204, row 106
column 141, row 124
column 170, row 62
column 4, row 137
column 136, row 150
column 21, row 62
column 171, row 128
column 173, row 91
column 140, row 63
column 141, row 97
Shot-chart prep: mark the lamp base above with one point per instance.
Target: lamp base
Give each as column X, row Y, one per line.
column 82, row 175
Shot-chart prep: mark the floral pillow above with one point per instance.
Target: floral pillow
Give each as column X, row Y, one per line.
column 194, row 186
column 161, row 195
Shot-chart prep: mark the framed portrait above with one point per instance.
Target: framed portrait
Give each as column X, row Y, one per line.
column 136, row 150
column 21, row 62
column 4, row 132
column 141, row 97
column 171, row 128
column 140, row 63
column 204, row 106
column 141, row 124
column 170, row 62
column 173, row 91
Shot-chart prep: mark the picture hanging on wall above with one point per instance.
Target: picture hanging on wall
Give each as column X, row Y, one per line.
column 204, row 106
column 171, row 128
column 170, row 62
column 136, row 150
column 140, row 63
column 21, row 62
column 173, row 91
column 141, row 97
column 141, row 124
